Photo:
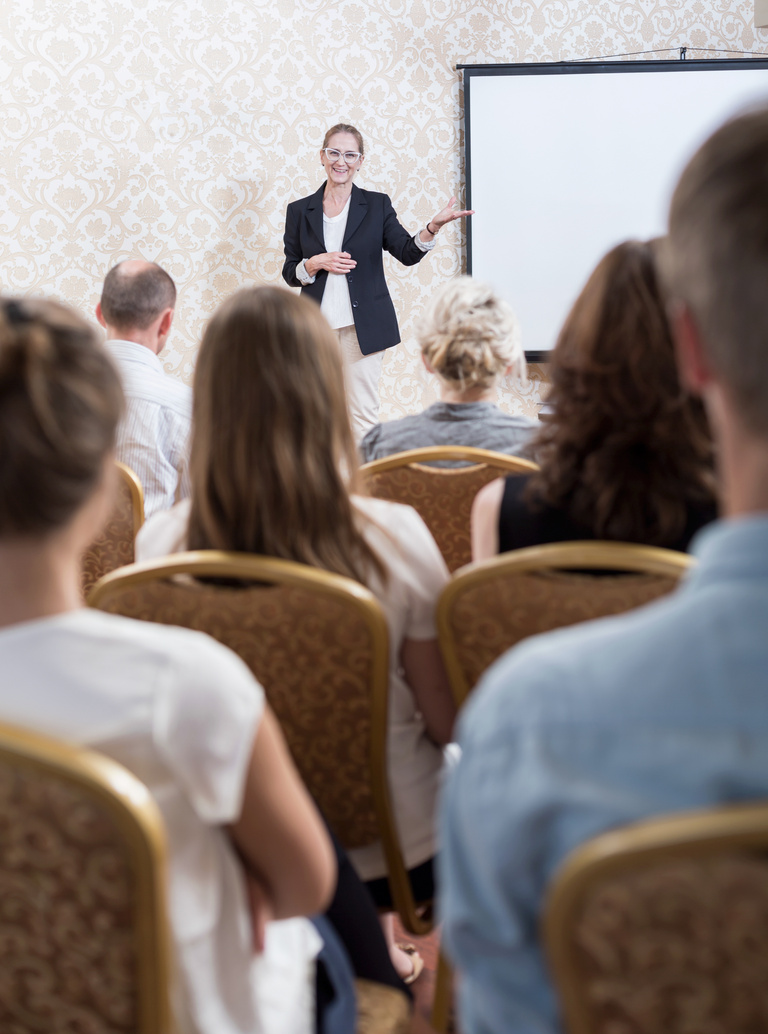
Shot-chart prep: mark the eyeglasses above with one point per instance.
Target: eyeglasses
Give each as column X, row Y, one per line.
column 349, row 157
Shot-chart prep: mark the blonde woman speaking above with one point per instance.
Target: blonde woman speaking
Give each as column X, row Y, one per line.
column 334, row 240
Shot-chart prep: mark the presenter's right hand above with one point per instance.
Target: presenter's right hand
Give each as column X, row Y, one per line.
column 333, row 261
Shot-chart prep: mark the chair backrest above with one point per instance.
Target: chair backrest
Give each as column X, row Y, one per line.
column 443, row 496
column 491, row 605
column 114, row 545
column 318, row 643
column 83, row 923
column 663, row 926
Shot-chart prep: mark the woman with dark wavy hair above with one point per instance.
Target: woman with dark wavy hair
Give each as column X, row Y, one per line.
column 625, row 453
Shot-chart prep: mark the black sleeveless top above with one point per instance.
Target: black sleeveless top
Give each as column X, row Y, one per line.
column 519, row 526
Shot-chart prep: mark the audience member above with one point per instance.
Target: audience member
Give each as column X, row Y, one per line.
column 469, row 339
column 625, row 452
column 274, row 472
column 180, row 711
column 136, row 309
column 659, row 710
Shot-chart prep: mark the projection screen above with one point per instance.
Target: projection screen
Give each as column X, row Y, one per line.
column 565, row 160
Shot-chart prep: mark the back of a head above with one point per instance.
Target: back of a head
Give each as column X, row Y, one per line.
column 135, row 294
column 271, row 435
column 624, row 448
column 470, row 336
column 60, row 402
column 716, row 257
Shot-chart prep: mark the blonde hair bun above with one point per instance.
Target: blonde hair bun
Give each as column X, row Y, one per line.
column 470, row 336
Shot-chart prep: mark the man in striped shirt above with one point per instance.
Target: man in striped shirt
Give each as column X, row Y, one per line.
column 136, row 310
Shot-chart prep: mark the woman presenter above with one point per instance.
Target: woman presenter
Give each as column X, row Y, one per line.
column 334, row 241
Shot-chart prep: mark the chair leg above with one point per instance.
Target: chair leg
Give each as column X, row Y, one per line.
column 441, row 1003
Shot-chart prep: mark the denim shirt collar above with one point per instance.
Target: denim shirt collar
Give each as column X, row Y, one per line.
column 737, row 546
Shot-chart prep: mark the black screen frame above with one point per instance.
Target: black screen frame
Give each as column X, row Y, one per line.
column 606, row 67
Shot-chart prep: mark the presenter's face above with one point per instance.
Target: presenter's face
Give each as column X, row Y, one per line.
column 337, row 169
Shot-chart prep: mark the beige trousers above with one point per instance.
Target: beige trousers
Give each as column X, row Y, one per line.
column 361, row 380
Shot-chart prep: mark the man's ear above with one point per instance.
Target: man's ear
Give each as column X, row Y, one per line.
column 693, row 367
column 164, row 326
column 100, row 315
column 430, row 368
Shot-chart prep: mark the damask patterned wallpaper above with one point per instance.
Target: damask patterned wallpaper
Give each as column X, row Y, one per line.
column 178, row 130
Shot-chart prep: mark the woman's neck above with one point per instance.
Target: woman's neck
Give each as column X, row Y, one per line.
column 335, row 197
column 37, row 580
column 450, row 394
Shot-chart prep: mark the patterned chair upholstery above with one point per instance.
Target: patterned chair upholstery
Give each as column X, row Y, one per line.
column 381, row 1010
column 489, row 606
column 442, row 496
column 663, row 926
column 318, row 643
column 114, row 546
column 83, row 937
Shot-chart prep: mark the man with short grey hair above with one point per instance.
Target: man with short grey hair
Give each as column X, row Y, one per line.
column 660, row 710
column 136, row 309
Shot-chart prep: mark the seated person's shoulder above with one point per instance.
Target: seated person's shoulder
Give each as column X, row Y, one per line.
column 178, row 391
column 392, row 437
column 605, row 672
column 170, row 646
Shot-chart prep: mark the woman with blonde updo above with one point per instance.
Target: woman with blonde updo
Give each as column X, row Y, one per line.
column 469, row 339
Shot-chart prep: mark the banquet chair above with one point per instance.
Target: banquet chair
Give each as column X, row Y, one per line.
column 663, row 926
column 318, row 643
column 114, row 546
column 443, row 496
column 491, row 605
column 84, row 940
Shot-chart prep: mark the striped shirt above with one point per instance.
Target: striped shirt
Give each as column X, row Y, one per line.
column 153, row 437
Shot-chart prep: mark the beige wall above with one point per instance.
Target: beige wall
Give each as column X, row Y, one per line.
column 179, row 130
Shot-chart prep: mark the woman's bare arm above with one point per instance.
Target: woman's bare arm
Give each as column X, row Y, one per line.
column 425, row 674
column 485, row 520
column 280, row 835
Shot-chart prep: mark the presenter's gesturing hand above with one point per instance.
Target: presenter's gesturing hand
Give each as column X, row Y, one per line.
column 333, row 261
column 445, row 215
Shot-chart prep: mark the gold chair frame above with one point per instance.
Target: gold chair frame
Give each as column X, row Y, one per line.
column 269, row 570
column 564, row 557
column 693, row 835
column 129, row 480
column 138, row 821
column 481, row 462
column 466, row 453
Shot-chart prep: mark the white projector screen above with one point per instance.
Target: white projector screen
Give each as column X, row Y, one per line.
column 565, row 160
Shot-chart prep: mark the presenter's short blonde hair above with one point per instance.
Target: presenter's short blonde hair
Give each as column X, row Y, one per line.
column 469, row 336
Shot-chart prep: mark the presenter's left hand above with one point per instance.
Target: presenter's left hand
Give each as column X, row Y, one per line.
column 449, row 213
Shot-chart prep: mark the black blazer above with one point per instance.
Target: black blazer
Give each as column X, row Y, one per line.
column 372, row 227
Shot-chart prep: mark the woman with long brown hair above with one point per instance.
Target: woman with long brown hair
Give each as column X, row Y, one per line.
column 625, row 453
column 273, row 470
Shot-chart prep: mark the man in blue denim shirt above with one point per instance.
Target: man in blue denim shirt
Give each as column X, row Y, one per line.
column 660, row 710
